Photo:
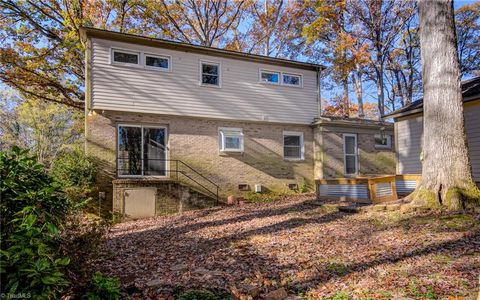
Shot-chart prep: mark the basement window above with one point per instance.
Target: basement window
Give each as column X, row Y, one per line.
column 230, row 139
column 293, row 148
column 125, row 57
column 384, row 142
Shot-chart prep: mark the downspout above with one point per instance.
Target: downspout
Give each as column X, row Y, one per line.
column 319, row 95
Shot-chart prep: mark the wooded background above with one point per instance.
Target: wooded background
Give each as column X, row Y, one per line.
column 370, row 47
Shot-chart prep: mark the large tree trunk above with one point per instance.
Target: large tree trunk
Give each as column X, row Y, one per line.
column 446, row 172
column 346, row 100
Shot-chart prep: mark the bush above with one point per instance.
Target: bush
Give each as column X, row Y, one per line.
column 32, row 208
column 74, row 172
column 103, row 288
column 262, row 197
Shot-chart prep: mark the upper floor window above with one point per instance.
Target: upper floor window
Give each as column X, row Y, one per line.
column 291, row 79
column 157, row 61
column 269, row 77
column 384, row 141
column 231, row 139
column 125, row 57
column 210, row 73
column 293, row 147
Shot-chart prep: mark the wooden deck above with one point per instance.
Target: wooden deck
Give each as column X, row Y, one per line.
column 367, row 189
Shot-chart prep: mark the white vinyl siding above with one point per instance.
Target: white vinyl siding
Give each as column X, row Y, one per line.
column 472, row 127
column 242, row 96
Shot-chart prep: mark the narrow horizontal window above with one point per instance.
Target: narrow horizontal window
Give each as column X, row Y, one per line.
column 210, row 74
column 269, row 77
column 293, row 147
column 125, row 57
column 383, row 141
column 155, row 61
column 291, row 79
column 231, row 139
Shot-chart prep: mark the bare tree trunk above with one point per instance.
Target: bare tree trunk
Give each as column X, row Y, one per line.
column 380, row 92
column 357, row 86
column 346, row 101
column 446, row 172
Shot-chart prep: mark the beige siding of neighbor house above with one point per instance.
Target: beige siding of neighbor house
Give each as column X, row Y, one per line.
column 409, row 135
column 178, row 92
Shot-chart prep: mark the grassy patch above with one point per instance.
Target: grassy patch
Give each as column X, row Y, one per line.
column 458, row 222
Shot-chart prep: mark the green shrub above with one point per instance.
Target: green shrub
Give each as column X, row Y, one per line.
column 74, row 172
column 33, row 209
column 103, row 288
column 261, row 197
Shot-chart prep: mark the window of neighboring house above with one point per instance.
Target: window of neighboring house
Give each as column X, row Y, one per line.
column 141, row 151
column 125, row 57
column 350, row 152
column 293, row 147
column 210, row 74
column 230, row 139
column 269, row 77
column 157, row 62
column 292, row 79
column 385, row 142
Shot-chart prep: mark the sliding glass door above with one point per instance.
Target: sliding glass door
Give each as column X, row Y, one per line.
column 141, row 151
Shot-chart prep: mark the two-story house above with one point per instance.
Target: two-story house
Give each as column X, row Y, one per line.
column 172, row 124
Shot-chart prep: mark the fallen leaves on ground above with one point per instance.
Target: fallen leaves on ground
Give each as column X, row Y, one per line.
column 297, row 245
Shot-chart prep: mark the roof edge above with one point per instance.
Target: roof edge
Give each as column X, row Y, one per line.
column 86, row 32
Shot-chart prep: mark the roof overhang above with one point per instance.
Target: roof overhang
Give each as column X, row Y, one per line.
column 364, row 124
column 399, row 113
column 88, row 32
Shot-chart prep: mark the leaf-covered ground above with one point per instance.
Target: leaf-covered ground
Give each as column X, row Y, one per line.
column 313, row 251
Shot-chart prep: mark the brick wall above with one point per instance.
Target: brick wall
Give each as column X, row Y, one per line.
column 195, row 141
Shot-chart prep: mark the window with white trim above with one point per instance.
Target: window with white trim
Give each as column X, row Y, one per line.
column 210, row 73
column 230, row 139
column 159, row 62
column 125, row 57
column 269, row 77
column 293, row 147
column 384, row 141
column 350, row 154
column 141, row 150
column 291, row 79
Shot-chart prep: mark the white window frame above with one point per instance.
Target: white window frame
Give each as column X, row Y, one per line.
column 168, row 57
column 213, row 63
column 302, row 145
column 389, row 141
column 222, row 136
column 345, row 154
column 167, row 165
column 113, row 62
column 269, row 72
column 300, row 85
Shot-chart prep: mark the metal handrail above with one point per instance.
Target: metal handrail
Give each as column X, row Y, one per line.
column 176, row 171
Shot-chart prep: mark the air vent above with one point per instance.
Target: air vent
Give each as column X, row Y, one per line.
column 243, row 187
column 258, row 188
column 293, row 186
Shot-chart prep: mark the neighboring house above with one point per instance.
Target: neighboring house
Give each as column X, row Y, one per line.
column 409, row 131
column 173, row 125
